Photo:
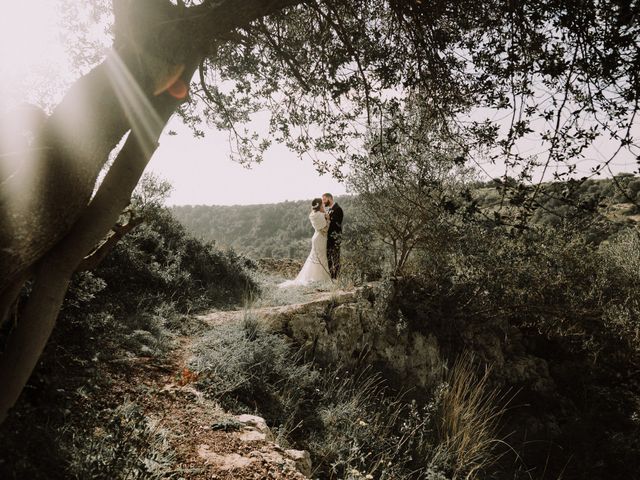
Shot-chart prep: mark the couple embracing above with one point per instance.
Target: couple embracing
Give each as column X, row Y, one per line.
column 323, row 262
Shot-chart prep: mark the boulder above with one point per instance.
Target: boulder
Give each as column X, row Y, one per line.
column 302, row 460
column 254, row 429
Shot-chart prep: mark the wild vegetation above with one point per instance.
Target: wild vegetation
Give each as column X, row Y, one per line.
column 567, row 288
column 520, row 270
column 282, row 230
column 326, row 74
column 351, row 423
column 128, row 309
column 574, row 305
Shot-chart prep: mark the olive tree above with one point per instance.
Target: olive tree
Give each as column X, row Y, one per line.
column 409, row 183
column 321, row 72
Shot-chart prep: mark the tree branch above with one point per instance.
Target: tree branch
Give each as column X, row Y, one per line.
column 96, row 257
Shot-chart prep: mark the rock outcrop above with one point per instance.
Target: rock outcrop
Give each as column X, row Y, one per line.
column 351, row 329
column 345, row 328
column 259, row 454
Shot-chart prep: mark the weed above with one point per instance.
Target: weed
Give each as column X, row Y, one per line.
column 128, row 445
column 468, row 414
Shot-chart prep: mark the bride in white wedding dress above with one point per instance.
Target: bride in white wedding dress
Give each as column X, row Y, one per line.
column 316, row 268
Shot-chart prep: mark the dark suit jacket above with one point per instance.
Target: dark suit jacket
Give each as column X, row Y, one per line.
column 336, row 215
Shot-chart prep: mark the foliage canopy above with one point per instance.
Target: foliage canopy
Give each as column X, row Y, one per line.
column 562, row 72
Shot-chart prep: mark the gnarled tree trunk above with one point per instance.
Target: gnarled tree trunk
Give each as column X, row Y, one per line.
column 48, row 220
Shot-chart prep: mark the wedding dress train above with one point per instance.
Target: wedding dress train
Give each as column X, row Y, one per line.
column 316, row 267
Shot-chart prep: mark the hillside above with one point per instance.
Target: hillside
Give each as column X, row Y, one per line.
column 282, row 230
column 279, row 230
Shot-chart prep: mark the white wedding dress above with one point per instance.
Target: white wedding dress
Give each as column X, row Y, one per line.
column 316, row 268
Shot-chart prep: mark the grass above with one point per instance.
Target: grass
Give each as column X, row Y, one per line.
column 127, row 445
column 248, row 369
column 357, row 435
column 273, row 296
column 353, row 426
column 468, row 420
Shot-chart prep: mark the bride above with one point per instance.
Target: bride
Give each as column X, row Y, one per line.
column 316, row 268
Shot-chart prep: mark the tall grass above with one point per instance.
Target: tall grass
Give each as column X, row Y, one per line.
column 468, row 421
column 127, row 446
column 357, row 435
column 352, row 424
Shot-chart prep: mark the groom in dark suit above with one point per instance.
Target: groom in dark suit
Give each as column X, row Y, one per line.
column 334, row 235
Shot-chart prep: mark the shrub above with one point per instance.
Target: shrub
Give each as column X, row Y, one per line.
column 575, row 305
column 353, row 426
column 247, row 369
column 126, row 445
column 363, row 256
column 158, row 261
column 130, row 306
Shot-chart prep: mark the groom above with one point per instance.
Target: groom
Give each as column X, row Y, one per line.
column 334, row 235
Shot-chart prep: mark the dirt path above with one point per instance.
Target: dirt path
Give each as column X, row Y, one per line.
column 267, row 313
column 210, row 443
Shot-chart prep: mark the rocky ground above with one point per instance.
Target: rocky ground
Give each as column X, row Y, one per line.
column 336, row 326
column 209, row 442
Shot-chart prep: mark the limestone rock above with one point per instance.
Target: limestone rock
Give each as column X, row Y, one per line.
column 255, row 429
column 223, row 462
column 302, row 460
column 252, row 436
column 297, row 463
column 342, row 328
column 253, row 421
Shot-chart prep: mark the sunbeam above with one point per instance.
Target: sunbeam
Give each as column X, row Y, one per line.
column 143, row 118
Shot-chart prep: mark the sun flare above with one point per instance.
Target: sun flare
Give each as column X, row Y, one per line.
column 30, row 45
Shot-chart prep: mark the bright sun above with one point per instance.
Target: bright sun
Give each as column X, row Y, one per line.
column 29, row 46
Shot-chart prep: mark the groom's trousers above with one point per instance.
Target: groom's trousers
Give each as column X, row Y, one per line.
column 333, row 255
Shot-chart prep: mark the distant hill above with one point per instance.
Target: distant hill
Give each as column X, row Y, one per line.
column 280, row 230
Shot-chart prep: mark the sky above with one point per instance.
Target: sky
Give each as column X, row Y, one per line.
column 202, row 173
column 33, row 64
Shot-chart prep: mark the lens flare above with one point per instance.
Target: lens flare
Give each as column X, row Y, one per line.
column 178, row 90
column 169, row 75
column 143, row 118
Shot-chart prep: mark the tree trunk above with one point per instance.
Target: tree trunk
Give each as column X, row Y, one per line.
column 27, row 341
column 50, row 184
column 45, row 214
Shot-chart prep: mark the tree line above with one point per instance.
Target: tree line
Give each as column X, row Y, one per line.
column 282, row 230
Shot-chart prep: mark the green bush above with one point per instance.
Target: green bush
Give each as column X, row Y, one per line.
column 143, row 288
column 247, row 369
column 353, row 426
column 131, row 305
column 126, row 445
column 159, row 261
column 575, row 304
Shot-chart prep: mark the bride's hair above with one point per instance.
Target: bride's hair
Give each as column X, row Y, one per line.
column 316, row 203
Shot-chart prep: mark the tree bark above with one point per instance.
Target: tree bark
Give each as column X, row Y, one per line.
column 45, row 213
column 27, row 341
column 44, row 196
